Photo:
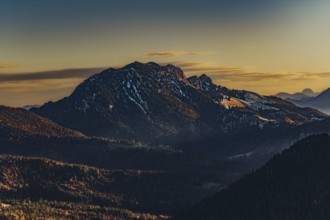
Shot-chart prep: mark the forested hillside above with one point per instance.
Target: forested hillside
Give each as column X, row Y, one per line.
column 293, row 185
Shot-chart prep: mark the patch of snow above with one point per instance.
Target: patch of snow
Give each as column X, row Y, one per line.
column 138, row 104
column 240, row 156
column 264, row 119
column 253, row 98
column 137, row 96
column 85, row 106
column 256, row 102
column 231, row 102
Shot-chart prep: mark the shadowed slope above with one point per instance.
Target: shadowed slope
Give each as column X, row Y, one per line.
column 293, row 185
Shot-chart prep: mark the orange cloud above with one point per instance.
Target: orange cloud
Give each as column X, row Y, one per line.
column 9, row 65
column 175, row 54
column 257, row 81
column 218, row 72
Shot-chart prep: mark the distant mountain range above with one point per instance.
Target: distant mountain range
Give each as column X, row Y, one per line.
column 308, row 98
column 157, row 103
column 320, row 102
column 305, row 94
column 292, row 185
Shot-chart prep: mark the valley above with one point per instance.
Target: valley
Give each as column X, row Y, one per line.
column 142, row 141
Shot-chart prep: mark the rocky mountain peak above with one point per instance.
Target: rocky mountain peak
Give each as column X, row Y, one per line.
column 205, row 78
column 175, row 71
column 202, row 82
column 149, row 70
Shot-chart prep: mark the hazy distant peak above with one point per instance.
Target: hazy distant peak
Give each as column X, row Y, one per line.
column 309, row 92
column 303, row 95
column 327, row 91
column 318, row 101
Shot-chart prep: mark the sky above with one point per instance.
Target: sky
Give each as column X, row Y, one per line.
column 47, row 47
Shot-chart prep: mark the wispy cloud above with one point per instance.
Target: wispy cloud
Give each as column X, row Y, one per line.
column 9, row 65
column 175, row 54
column 18, row 89
column 235, row 74
column 54, row 74
column 20, row 93
column 215, row 71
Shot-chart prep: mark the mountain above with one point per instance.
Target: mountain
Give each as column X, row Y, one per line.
column 306, row 94
column 17, row 123
column 295, row 96
column 292, row 185
column 320, row 102
column 160, row 104
column 222, row 134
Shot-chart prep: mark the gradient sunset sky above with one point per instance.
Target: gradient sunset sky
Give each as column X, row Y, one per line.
column 47, row 47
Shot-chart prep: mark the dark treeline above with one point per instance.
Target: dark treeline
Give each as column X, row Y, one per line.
column 293, row 185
